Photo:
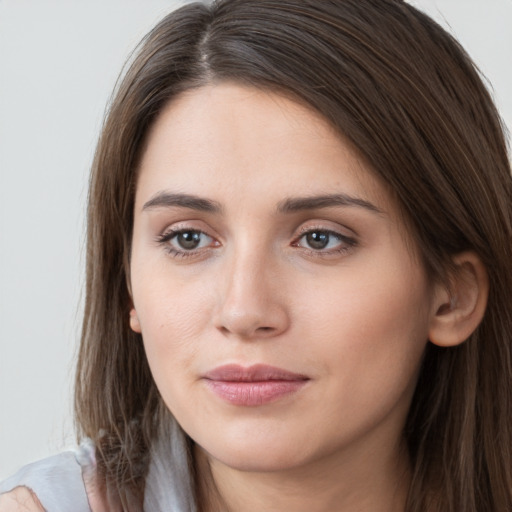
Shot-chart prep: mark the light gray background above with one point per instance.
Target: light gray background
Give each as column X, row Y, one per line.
column 58, row 63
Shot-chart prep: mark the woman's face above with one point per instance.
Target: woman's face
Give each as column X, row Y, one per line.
column 283, row 314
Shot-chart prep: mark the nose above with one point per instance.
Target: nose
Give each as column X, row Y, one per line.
column 252, row 302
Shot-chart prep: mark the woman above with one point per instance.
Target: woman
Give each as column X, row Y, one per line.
column 298, row 277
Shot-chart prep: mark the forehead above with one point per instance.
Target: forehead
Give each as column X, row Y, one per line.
column 231, row 141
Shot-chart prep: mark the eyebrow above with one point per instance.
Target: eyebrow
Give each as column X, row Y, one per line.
column 295, row 204
column 168, row 200
column 165, row 199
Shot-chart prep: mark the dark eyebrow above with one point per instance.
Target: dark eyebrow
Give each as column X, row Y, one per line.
column 295, row 204
column 168, row 199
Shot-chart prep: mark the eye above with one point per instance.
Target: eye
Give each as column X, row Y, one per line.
column 324, row 241
column 185, row 242
column 189, row 240
column 319, row 240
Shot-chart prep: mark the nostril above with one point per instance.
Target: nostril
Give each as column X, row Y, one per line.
column 248, row 319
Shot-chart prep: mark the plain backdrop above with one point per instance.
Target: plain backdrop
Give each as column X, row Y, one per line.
column 59, row 61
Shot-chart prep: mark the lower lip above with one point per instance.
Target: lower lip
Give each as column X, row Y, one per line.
column 254, row 393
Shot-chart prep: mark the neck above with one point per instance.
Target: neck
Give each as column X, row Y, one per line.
column 375, row 480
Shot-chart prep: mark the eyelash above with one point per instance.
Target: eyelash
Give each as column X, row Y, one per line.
column 165, row 240
column 347, row 243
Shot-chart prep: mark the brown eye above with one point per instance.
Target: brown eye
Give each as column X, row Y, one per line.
column 190, row 240
column 324, row 242
column 321, row 240
column 318, row 239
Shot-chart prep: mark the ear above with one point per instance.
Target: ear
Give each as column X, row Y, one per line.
column 459, row 308
column 134, row 321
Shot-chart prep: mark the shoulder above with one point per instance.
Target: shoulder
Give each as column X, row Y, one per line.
column 20, row 499
column 54, row 484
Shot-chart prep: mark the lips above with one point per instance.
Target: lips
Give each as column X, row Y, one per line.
column 254, row 385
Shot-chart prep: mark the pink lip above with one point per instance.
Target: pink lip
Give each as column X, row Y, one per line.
column 253, row 385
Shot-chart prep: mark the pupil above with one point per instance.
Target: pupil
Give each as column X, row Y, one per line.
column 189, row 239
column 317, row 240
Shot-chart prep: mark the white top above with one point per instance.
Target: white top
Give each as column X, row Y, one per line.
column 58, row 481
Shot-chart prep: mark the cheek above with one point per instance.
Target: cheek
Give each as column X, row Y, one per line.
column 172, row 318
column 370, row 327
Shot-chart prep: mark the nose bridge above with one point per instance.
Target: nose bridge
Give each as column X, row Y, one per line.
column 249, row 304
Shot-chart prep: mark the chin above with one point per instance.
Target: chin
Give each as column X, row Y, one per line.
column 257, row 457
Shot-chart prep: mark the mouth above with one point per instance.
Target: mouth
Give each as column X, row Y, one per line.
column 254, row 385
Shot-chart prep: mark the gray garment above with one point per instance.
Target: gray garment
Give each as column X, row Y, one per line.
column 57, row 481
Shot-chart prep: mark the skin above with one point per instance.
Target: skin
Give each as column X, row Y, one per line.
column 354, row 317
column 20, row 499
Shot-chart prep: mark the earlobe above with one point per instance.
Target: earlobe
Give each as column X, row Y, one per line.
column 459, row 308
column 134, row 321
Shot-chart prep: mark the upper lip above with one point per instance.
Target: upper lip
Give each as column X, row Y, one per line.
column 254, row 373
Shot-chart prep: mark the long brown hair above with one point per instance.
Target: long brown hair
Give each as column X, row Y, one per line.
column 409, row 98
